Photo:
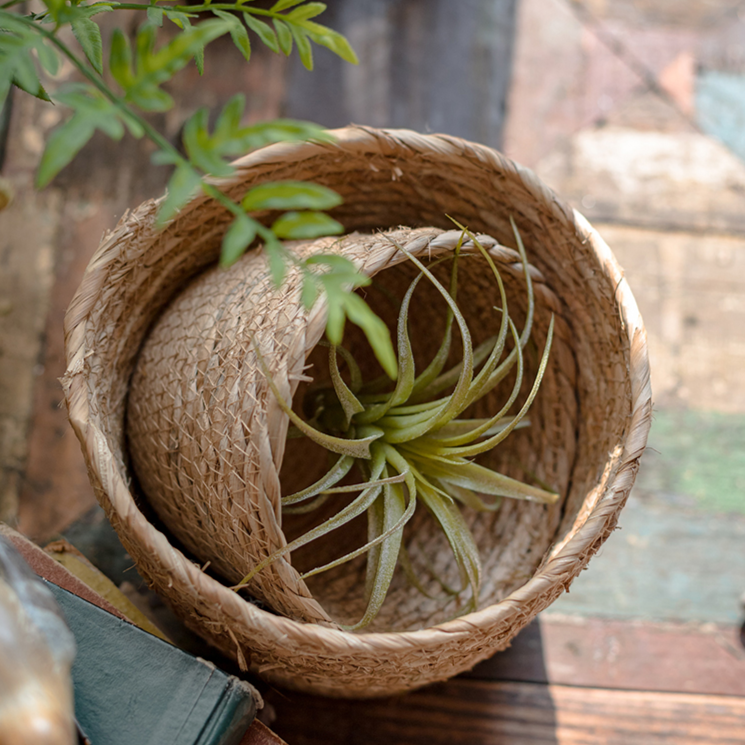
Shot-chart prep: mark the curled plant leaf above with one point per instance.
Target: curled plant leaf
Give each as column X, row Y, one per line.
column 411, row 444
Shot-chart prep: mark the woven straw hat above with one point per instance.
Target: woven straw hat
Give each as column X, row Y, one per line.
column 588, row 426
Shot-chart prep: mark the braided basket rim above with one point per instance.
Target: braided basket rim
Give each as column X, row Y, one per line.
column 562, row 564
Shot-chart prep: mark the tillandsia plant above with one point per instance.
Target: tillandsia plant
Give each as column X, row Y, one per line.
column 412, row 445
column 115, row 96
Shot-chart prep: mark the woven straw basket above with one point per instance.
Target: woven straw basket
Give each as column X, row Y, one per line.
column 588, row 428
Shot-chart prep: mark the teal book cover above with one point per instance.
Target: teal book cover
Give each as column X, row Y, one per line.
column 131, row 687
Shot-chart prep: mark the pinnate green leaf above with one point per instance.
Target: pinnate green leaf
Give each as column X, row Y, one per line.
column 284, row 36
column 284, row 4
column 94, row 8
column 303, row 46
column 28, row 81
column 237, row 239
column 342, row 304
column 333, row 40
column 264, row 31
column 199, row 52
column 229, row 139
column 91, row 112
column 377, row 333
column 88, row 35
column 26, row 76
column 276, row 255
column 178, row 17
column 229, row 121
column 281, row 130
column 54, row 7
column 202, row 149
column 155, row 15
column 181, row 187
column 306, row 225
column 199, row 60
column 237, row 32
column 309, row 291
column 49, row 57
column 63, row 145
column 17, row 64
column 93, row 107
column 120, row 59
column 290, row 195
column 155, row 67
column 335, row 318
column 304, row 12
column 342, row 267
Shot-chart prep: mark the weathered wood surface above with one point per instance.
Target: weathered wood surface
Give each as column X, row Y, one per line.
column 428, row 65
column 628, row 655
column 508, row 713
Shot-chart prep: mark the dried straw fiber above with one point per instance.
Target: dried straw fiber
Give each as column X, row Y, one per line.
column 195, row 390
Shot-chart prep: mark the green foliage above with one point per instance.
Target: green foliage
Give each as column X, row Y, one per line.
column 290, row 195
column 182, row 186
column 140, row 71
column 310, row 224
column 338, row 282
column 62, row 13
column 237, row 238
column 18, row 44
column 264, row 31
column 410, row 443
column 237, row 32
column 142, row 81
column 89, row 37
column 92, row 112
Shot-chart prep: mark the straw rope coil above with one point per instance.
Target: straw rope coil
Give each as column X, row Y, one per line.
column 179, row 430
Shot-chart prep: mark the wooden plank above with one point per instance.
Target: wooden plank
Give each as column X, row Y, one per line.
column 28, row 228
column 608, row 112
column 475, row 712
column 428, row 65
column 630, row 655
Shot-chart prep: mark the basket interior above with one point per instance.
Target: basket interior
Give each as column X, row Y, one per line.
column 511, row 541
column 578, row 419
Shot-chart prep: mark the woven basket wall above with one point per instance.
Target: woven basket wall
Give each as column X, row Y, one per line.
column 588, row 426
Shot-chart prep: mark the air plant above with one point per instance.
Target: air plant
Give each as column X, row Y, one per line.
column 410, row 444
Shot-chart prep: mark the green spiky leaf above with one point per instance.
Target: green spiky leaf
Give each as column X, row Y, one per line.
column 88, row 35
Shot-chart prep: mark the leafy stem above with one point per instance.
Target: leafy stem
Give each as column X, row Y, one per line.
column 152, row 133
column 140, row 70
column 205, row 7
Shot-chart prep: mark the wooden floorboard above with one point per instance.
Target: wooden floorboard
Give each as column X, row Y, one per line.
column 632, row 655
column 510, row 713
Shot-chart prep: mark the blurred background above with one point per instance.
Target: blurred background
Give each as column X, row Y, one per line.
column 634, row 112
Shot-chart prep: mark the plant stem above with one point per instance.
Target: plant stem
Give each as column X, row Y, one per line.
column 193, row 9
column 153, row 135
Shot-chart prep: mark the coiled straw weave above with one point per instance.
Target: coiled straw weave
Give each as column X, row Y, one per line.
column 161, row 376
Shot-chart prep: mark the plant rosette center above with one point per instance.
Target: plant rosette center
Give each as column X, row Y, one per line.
column 410, row 441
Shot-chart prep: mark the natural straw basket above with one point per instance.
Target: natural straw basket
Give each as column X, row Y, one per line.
column 588, row 429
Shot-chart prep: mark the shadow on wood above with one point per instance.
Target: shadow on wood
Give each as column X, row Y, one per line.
column 481, row 707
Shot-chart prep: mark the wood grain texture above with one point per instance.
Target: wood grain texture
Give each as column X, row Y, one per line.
column 507, row 713
column 629, row 655
column 428, row 65
column 260, row 734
